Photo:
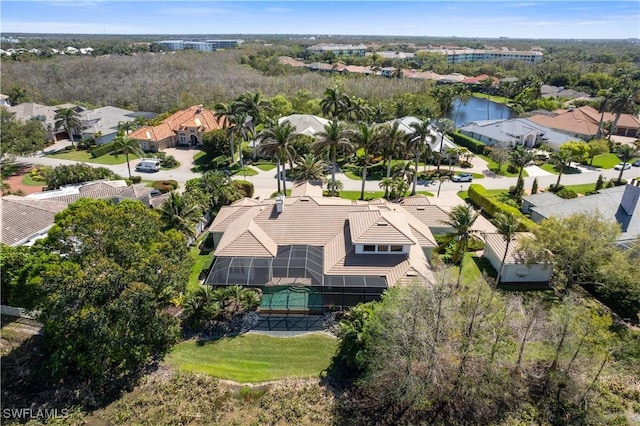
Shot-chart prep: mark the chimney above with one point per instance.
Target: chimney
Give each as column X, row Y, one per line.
column 199, row 108
column 280, row 203
column 631, row 196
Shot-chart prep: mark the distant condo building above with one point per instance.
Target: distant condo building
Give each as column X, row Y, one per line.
column 339, row 49
column 458, row 55
column 203, row 46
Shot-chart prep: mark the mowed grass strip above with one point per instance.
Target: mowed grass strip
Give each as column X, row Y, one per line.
column 85, row 157
column 254, row 358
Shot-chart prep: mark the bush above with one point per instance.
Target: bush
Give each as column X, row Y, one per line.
column 555, row 188
column 221, row 161
column 511, row 168
column 165, row 185
column 136, row 179
column 473, row 145
column 566, row 194
column 102, row 150
column 478, row 195
column 245, row 186
column 466, row 164
column 247, row 153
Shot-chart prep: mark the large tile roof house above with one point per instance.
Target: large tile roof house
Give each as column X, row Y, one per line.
column 621, row 203
column 338, row 252
column 183, row 128
column 25, row 219
column 583, row 122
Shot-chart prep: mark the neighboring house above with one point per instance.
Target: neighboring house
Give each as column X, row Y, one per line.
column 583, row 122
column 26, row 219
column 479, row 80
column 339, row 49
column 286, row 60
column 102, row 123
column 516, row 131
column 324, row 252
column 43, row 113
column 621, row 203
column 184, row 128
column 305, row 124
column 437, row 142
column 516, row 270
column 548, row 91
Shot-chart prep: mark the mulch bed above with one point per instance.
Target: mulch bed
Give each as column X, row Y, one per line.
column 15, row 181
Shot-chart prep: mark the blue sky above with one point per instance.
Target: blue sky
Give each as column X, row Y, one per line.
column 516, row 19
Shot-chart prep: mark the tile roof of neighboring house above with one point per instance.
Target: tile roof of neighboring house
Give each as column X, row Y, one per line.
column 415, row 200
column 432, row 216
column 23, row 218
column 478, row 79
column 359, row 69
column 196, row 116
column 498, row 245
column 542, row 199
column 286, row 60
column 555, row 91
column 28, row 110
column 104, row 119
column 305, row 124
column 157, row 201
column 583, row 120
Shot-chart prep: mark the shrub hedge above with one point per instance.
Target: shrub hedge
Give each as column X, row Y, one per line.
column 245, row 186
column 102, row 150
column 473, row 145
column 478, row 195
column 165, row 185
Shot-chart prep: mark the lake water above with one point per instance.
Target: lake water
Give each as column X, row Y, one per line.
column 475, row 109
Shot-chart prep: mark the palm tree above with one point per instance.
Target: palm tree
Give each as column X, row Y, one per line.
column 561, row 159
column 126, row 127
column 463, row 94
column 231, row 117
column 252, row 105
column 621, row 102
column 443, row 126
column 461, row 219
column 335, row 104
column 310, row 167
column 444, row 96
column 68, row 119
column 507, row 225
column 390, row 139
column 276, row 142
column 606, row 96
column 626, row 153
column 386, row 183
column 487, row 86
column 366, row 138
column 179, row 212
column 417, row 141
column 128, row 146
column 520, row 157
column 441, row 180
column 334, row 137
column 452, row 156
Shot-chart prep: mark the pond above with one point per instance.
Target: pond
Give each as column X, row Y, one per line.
column 476, row 109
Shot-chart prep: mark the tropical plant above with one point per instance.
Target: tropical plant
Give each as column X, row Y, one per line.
column 625, row 153
column 443, row 126
column 335, row 104
column 253, row 105
column 386, row 183
column 461, row 218
column 127, row 146
column 520, row 157
column 366, row 138
column 181, row 212
column 561, row 159
column 276, row 142
column 390, row 141
column 623, row 101
column 418, row 143
column 126, row 127
column 68, row 119
column 310, row 167
column 335, row 137
column 507, row 225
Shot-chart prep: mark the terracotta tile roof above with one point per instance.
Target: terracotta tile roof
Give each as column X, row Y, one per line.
column 196, row 116
column 583, row 120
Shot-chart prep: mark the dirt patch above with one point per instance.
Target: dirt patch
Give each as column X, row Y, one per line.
column 15, row 181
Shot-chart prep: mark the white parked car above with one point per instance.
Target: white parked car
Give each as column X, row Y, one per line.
column 622, row 166
column 462, row 177
column 148, row 165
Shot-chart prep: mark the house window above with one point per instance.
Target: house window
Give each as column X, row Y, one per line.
column 383, row 248
column 396, row 248
column 183, row 138
column 369, row 248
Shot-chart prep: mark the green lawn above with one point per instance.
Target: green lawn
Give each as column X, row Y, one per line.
column 85, row 157
column 254, row 358
column 605, row 161
column 493, row 166
column 243, row 171
column 202, row 260
column 582, row 188
column 265, row 166
column 28, row 180
column 567, row 170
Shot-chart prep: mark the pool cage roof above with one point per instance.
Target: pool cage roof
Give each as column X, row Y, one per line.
column 292, row 265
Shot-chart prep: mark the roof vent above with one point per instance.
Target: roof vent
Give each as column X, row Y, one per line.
column 280, row 203
column 420, row 208
column 381, row 223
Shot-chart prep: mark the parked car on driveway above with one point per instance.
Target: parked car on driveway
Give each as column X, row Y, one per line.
column 462, row 177
column 622, row 166
column 636, row 163
column 148, row 165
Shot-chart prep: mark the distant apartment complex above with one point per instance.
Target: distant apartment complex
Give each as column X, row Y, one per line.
column 202, row 46
column 458, row 55
column 339, row 49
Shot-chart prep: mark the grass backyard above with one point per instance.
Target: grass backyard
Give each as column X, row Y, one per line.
column 493, row 166
column 202, row 260
column 254, row 358
column 551, row 168
column 605, row 161
column 29, row 181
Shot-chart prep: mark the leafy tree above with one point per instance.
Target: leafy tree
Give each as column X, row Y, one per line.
column 213, row 190
column 16, row 95
column 597, row 147
column 68, row 119
column 21, row 138
column 216, row 142
column 534, row 186
column 128, row 146
column 599, row 183
column 626, row 153
column 103, row 306
column 579, row 150
column 561, row 159
column 335, row 137
column 76, row 173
